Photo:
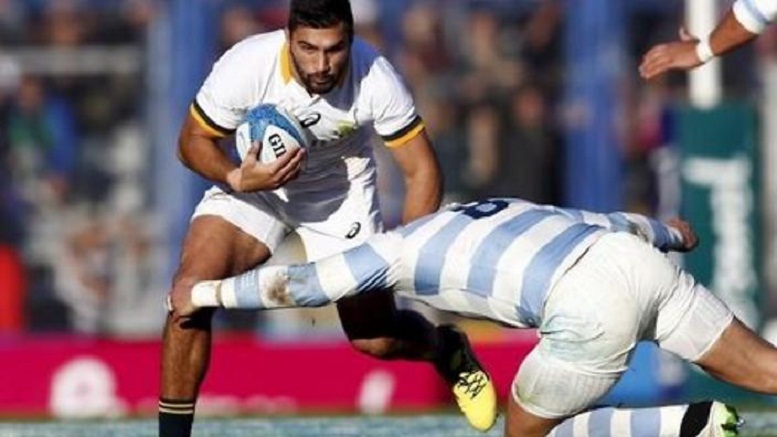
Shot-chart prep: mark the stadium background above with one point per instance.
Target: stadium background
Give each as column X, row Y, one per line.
column 536, row 99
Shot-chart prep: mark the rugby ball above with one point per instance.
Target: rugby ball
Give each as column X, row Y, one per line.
column 276, row 128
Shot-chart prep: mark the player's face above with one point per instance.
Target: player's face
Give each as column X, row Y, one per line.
column 320, row 56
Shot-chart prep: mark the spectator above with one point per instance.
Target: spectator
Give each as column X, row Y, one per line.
column 528, row 150
column 237, row 23
column 482, row 125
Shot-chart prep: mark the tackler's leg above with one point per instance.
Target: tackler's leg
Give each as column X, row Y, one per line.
column 376, row 327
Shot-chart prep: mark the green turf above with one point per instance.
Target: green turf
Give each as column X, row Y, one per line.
column 757, row 424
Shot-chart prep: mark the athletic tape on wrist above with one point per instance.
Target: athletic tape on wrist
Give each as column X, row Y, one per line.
column 704, row 51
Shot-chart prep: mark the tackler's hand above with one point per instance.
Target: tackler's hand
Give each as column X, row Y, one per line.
column 179, row 301
column 690, row 239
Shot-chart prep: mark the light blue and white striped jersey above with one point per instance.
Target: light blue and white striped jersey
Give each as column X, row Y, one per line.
column 755, row 15
column 496, row 259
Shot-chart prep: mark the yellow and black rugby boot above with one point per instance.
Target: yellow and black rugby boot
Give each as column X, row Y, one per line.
column 472, row 387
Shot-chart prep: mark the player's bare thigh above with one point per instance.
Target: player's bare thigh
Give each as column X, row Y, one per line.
column 215, row 248
column 739, row 356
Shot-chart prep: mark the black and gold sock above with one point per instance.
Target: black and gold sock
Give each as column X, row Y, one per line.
column 695, row 418
column 175, row 417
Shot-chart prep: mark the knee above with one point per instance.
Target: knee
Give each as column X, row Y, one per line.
column 383, row 348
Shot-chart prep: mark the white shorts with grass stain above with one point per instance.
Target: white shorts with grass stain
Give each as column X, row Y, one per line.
column 620, row 292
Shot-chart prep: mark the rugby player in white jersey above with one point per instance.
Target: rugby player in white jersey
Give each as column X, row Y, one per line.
column 593, row 285
column 742, row 23
column 336, row 85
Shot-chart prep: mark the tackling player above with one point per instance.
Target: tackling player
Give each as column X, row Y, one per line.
column 336, row 85
column 742, row 23
column 592, row 284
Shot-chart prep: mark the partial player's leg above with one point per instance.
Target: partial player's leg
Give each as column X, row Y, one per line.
column 590, row 325
column 619, row 292
column 520, row 422
column 550, row 397
column 696, row 325
column 372, row 322
column 741, row 357
column 701, row 419
column 376, row 327
column 213, row 249
column 548, row 389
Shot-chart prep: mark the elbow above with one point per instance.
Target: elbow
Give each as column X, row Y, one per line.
column 181, row 158
column 181, row 154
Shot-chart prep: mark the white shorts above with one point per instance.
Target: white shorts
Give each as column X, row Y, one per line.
column 620, row 292
column 327, row 222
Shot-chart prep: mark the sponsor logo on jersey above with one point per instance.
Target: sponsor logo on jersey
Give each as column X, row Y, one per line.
column 310, row 119
column 345, row 129
column 354, row 231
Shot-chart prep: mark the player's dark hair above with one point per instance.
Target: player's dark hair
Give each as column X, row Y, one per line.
column 320, row 14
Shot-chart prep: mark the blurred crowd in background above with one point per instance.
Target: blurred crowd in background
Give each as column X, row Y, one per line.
column 73, row 165
column 79, row 239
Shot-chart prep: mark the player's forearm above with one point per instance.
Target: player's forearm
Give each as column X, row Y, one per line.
column 739, row 26
column 423, row 193
column 204, row 156
column 658, row 234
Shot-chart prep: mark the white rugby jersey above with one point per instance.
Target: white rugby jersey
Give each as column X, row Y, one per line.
column 495, row 259
column 259, row 70
column 754, row 15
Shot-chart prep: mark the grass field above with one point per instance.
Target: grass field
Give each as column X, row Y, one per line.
column 410, row 426
column 757, row 424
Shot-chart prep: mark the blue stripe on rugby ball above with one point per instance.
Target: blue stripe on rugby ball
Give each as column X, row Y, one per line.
column 267, row 114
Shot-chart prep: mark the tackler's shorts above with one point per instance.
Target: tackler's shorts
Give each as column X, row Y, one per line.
column 620, row 292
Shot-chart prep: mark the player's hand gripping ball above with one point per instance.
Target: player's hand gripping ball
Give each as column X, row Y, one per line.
column 276, row 128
